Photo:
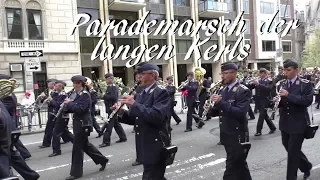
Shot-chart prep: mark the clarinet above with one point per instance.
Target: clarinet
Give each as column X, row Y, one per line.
column 114, row 112
column 62, row 106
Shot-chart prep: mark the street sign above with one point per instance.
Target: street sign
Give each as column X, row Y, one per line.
column 32, row 64
column 35, row 53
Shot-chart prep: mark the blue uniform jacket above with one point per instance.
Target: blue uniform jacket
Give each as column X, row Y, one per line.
column 57, row 101
column 81, row 107
column 94, row 99
column 294, row 108
column 150, row 114
column 232, row 110
column 192, row 88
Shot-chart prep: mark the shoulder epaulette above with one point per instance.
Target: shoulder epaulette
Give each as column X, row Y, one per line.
column 63, row 93
column 243, row 86
column 85, row 92
column 162, row 87
column 92, row 90
column 304, row 80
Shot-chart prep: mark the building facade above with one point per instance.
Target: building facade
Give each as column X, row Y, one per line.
column 29, row 25
column 263, row 50
column 312, row 19
column 268, row 48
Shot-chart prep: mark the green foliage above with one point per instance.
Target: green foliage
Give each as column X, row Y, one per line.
column 103, row 86
column 311, row 57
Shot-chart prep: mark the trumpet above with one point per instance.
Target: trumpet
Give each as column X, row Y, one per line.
column 183, row 84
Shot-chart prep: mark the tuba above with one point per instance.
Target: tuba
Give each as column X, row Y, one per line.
column 6, row 87
column 199, row 73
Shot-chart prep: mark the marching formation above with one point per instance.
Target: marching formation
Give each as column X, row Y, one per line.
column 149, row 107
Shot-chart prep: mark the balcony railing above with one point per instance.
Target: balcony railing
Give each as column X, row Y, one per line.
column 211, row 5
column 133, row 1
column 12, row 45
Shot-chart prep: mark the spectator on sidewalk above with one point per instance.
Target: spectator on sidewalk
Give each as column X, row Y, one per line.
column 27, row 105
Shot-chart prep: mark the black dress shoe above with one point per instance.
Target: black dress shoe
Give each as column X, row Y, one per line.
column 103, row 165
column 272, row 131
column 258, row 134
column 104, row 145
column 178, row 122
column 219, row 143
column 200, row 124
column 64, row 142
column 55, row 154
column 136, row 163
column 307, row 174
column 73, row 177
column 121, row 140
column 188, row 130
column 42, row 146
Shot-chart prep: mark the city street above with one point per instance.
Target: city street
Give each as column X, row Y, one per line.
column 198, row 157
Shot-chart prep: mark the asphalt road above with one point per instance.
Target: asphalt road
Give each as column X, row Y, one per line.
column 198, row 156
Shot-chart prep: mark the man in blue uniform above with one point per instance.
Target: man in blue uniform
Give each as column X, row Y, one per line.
column 232, row 107
column 296, row 97
column 79, row 103
column 94, row 99
column 150, row 114
column 61, row 122
column 16, row 160
column 192, row 87
column 172, row 90
column 263, row 92
column 10, row 102
column 110, row 98
column 50, row 123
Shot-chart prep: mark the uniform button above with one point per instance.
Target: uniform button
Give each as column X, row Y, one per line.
column 220, row 122
column 137, row 126
column 287, row 108
column 236, row 127
column 137, row 133
column 137, row 118
column 222, row 111
column 288, row 113
column 156, row 139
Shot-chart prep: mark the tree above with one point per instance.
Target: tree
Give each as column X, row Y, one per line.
column 311, row 56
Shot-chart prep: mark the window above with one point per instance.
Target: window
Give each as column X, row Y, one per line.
column 88, row 44
column 94, row 13
column 286, row 46
column 18, row 74
column 285, row 9
column 183, row 46
column 132, row 42
column 14, row 24
column 268, row 45
column 158, row 17
column 156, row 1
column 246, row 6
column 160, row 42
column 247, row 26
column 266, row 7
column 118, row 16
column 182, row 19
column 34, row 24
column 182, row 2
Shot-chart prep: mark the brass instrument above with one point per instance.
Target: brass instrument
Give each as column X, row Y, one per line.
column 183, row 84
column 199, row 73
column 14, row 81
column 6, row 87
column 208, row 104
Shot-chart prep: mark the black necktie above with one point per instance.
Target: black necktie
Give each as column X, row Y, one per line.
column 144, row 94
column 290, row 84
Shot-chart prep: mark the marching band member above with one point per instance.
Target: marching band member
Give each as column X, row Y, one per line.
column 304, row 74
column 110, row 98
column 79, row 104
column 263, row 89
column 281, row 74
column 232, row 107
column 16, row 160
column 10, row 102
column 149, row 111
column 94, row 99
column 61, row 123
column 246, row 77
column 192, row 87
column 203, row 95
column 172, row 90
column 50, row 123
column 296, row 96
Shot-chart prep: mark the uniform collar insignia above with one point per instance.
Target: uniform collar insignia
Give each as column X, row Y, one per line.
column 297, row 82
column 235, row 88
column 151, row 90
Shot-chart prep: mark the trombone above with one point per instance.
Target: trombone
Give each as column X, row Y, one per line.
column 183, row 84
